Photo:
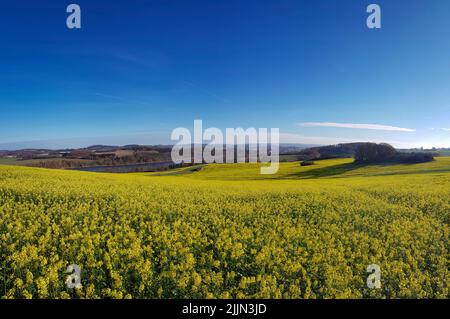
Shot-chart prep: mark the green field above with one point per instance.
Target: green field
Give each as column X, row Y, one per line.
column 8, row 161
column 225, row 231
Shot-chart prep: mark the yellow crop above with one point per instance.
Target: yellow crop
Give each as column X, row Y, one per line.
column 227, row 232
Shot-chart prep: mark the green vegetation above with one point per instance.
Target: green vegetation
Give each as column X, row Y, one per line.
column 7, row 161
column 226, row 231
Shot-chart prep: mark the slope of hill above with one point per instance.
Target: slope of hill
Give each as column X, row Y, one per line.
column 331, row 168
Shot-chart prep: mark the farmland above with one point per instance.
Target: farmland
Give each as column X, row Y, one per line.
column 225, row 231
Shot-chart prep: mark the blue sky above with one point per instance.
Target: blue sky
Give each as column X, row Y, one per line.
column 138, row 69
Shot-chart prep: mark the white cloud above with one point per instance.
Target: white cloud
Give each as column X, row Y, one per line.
column 445, row 129
column 357, row 126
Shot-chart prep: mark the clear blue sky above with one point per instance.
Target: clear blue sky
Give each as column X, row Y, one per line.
column 138, row 69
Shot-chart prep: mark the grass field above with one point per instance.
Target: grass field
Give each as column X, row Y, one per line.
column 225, row 231
column 8, row 161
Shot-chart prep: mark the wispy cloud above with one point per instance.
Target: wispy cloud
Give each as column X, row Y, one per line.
column 445, row 129
column 118, row 98
column 207, row 92
column 357, row 126
column 151, row 60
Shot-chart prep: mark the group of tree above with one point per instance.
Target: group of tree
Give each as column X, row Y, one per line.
column 330, row 151
column 385, row 153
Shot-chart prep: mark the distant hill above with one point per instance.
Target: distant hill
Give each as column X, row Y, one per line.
column 110, row 155
column 91, row 156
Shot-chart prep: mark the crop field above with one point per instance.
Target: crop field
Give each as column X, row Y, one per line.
column 225, row 231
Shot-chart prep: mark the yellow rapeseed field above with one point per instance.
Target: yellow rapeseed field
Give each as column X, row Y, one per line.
column 227, row 232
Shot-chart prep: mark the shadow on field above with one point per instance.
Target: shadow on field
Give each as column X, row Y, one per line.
column 327, row 171
column 189, row 170
column 383, row 169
